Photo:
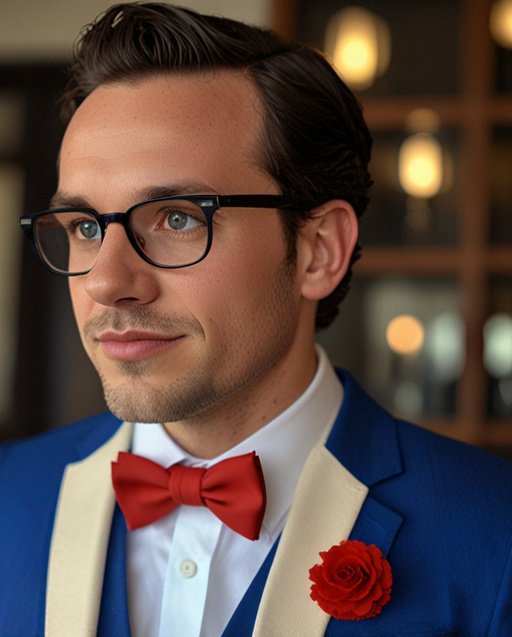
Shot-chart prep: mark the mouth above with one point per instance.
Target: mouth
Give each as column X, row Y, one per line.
column 134, row 345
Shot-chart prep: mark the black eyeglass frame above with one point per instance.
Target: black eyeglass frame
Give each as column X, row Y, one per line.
column 208, row 203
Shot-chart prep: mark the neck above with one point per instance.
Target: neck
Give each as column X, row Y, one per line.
column 229, row 422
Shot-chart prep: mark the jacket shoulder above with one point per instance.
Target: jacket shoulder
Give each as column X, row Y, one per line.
column 30, row 477
column 469, row 477
column 41, row 459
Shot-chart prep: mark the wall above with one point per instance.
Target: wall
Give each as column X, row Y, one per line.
column 46, row 28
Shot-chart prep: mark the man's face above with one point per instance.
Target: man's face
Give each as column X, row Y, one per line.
column 174, row 345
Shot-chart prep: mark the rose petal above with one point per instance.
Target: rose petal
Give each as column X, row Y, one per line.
column 352, row 582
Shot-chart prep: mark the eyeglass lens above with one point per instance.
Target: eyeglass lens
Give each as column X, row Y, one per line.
column 170, row 232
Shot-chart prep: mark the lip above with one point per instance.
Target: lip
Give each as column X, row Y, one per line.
column 134, row 345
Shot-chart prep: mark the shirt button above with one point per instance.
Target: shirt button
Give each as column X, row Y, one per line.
column 188, row 568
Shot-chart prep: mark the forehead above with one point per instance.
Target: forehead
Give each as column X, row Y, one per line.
column 195, row 126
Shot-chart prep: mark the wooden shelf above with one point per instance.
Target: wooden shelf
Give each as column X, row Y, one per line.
column 499, row 260
column 436, row 261
column 388, row 113
column 493, row 434
column 410, row 260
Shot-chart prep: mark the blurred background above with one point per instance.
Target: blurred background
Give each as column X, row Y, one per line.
column 427, row 326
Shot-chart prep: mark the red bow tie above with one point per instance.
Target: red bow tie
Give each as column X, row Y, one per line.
column 233, row 489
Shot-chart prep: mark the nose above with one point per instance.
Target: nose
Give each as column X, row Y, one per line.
column 119, row 274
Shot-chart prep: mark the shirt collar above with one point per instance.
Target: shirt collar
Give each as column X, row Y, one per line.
column 282, row 445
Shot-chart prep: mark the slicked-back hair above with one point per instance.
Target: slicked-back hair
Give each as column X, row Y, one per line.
column 315, row 144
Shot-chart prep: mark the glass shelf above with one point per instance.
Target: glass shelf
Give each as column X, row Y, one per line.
column 500, row 178
column 503, row 81
column 424, row 42
column 421, row 382
column 393, row 218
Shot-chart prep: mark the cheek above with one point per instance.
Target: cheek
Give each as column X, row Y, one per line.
column 80, row 301
column 239, row 280
column 241, row 300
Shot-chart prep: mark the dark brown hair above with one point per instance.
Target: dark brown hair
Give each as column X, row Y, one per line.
column 316, row 144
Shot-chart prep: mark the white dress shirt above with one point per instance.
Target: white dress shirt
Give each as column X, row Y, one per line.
column 187, row 572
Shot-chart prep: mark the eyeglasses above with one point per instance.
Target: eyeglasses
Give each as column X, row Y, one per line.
column 167, row 232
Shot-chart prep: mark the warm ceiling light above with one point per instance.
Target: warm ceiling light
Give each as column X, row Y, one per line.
column 420, row 165
column 359, row 45
column 405, row 334
column 500, row 22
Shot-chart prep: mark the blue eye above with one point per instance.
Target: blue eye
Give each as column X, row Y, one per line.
column 89, row 229
column 179, row 220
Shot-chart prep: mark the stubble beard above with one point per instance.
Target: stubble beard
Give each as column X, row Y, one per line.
column 198, row 390
column 149, row 403
column 135, row 399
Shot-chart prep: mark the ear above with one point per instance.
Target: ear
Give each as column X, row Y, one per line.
column 325, row 246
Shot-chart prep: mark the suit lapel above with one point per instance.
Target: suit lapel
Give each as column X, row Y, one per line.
column 331, row 505
column 325, row 507
column 79, row 542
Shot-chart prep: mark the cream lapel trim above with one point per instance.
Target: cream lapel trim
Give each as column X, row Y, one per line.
column 324, row 510
column 80, row 540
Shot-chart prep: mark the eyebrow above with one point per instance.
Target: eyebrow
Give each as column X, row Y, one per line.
column 62, row 199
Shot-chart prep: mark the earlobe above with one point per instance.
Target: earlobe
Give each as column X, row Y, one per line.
column 330, row 236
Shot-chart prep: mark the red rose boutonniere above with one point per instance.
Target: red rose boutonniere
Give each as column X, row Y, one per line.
column 352, row 582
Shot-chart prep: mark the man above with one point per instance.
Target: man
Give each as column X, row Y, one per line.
column 210, row 181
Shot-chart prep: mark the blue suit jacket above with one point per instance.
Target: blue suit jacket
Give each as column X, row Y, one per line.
column 441, row 511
